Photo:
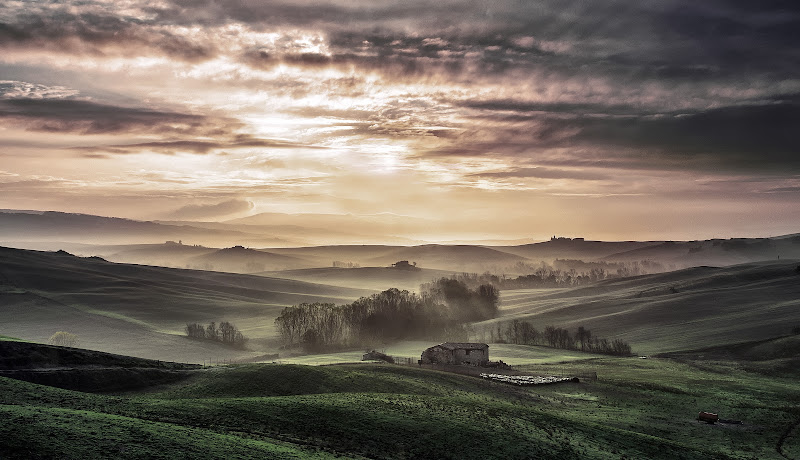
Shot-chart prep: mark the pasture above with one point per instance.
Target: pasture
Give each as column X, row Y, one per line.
column 636, row 409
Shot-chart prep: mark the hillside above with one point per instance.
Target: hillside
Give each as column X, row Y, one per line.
column 377, row 278
column 716, row 252
column 239, row 259
column 458, row 258
column 82, row 228
column 635, row 409
column 142, row 310
column 572, row 248
column 686, row 309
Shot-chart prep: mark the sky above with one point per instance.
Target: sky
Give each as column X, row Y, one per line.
column 612, row 120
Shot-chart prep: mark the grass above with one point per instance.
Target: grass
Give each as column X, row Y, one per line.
column 11, row 339
column 637, row 409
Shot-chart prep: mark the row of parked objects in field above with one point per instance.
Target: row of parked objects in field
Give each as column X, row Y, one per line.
column 523, row 380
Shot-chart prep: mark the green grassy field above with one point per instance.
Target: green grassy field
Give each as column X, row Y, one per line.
column 636, row 409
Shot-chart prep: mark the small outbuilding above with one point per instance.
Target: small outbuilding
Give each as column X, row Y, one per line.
column 473, row 354
column 708, row 417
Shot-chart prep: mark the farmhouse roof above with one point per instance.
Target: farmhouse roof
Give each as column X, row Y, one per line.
column 463, row 346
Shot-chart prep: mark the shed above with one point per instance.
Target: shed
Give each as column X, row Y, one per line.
column 474, row 354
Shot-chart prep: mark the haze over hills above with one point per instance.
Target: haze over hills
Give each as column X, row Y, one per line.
column 131, row 241
column 378, row 278
column 30, row 226
column 573, row 248
column 39, row 226
column 239, row 259
column 141, row 310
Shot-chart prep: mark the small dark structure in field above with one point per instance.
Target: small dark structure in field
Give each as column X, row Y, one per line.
column 475, row 354
column 377, row 356
column 707, row 417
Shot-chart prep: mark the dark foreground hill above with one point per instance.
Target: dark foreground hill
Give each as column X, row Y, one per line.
column 682, row 310
column 84, row 370
column 142, row 310
column 636, row 409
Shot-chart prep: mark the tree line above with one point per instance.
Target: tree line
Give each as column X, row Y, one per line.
column 563, row 273
column 225, row 332
column 440, row 310
column 524, row 333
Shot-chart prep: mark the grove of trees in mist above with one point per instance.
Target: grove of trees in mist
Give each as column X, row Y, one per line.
column 563, row 273
column 225, row 332
column 524, row 333
column 439, row 311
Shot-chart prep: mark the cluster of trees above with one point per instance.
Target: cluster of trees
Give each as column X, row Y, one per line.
column 563, row 274
column 343, row 264
column 225, row 332
column 440, row 310
column 524, row 333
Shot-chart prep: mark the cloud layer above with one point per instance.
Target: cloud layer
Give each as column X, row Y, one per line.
column 316, row 106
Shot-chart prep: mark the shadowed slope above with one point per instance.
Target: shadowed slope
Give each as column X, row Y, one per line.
column 378, row 278
column 686, row 309
column 141, row 310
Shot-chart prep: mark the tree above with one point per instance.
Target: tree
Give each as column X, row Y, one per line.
column 551, row 335
column 311, row 341
column 195, row 331
column 64, row 339
column 583, row 336
column 226, row 333
column 211, row 331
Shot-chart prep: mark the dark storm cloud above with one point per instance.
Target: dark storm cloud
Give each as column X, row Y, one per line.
column 671, row 41
column 98, row 35
column 70, row 115
column 754, row 136
column 723, row 59
column 750, row 136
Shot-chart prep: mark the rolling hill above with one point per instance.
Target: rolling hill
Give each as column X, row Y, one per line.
column 142, row 310
column 239, row 259
column 377, row 278
column 459, row 258
column 636, row 409
column 34, row 226
column 686, row 309
column 572, row 248
column 716, row 252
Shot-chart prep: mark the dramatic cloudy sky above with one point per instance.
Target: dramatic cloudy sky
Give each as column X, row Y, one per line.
column 463, row 119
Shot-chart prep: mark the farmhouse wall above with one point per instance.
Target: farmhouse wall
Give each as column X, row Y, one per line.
column 474, row 357
column 456, row 353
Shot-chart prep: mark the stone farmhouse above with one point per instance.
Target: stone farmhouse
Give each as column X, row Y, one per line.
column 473, row 354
